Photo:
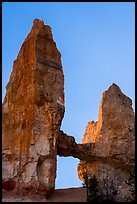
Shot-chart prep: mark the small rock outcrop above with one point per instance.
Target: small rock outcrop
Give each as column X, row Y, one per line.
column 32, row 112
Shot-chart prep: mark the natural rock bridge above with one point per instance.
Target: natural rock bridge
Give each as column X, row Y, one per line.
column 32, row 113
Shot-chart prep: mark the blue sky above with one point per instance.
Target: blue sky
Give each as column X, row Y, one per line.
column 97, row 44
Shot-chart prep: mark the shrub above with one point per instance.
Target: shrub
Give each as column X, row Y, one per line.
column 91, row 184
column 95, row 193
column 131, row 183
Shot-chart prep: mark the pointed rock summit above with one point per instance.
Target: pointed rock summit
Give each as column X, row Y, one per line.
column 112, row 140
column 32, row 112
column 114, row 132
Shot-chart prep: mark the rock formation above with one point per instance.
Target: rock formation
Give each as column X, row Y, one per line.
column 113, row 136
column 108, row 146
column 114, row 132
column 32, row 112
column 68, row 147
column 112, row 177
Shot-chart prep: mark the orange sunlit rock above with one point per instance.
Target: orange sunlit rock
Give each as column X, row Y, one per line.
column 32, row 111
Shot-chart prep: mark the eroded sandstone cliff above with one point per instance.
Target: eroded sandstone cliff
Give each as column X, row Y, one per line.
column 114, row 132
column 32, row 112
column 113, row 136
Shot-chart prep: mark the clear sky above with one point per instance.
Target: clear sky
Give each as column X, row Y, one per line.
column 97, row 44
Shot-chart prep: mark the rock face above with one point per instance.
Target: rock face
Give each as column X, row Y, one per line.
column 113, row 136
column 32, row 112
column 114, row 132
column 111, row 176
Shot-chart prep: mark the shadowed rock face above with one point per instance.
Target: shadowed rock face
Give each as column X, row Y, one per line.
column 32, row 111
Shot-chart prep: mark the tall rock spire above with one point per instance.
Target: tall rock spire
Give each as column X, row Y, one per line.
column 32, row 111
column 114, row 132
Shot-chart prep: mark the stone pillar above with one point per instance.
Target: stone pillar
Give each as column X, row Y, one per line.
column 113, row 136
column 32, row 112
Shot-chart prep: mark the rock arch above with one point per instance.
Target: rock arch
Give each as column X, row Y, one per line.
column 33, row 110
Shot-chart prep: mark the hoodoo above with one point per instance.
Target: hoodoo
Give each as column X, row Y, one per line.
column 32, row 112
column 113, row 136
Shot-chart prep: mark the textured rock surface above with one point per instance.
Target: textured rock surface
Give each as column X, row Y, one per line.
column 114, row 132
column 111, row 177
column 68, row 147
column 113, row 136
column 32, row 111
column 60, row 195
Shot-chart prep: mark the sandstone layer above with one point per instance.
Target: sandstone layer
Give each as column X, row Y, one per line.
column 32, row 112
column 60, row 195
